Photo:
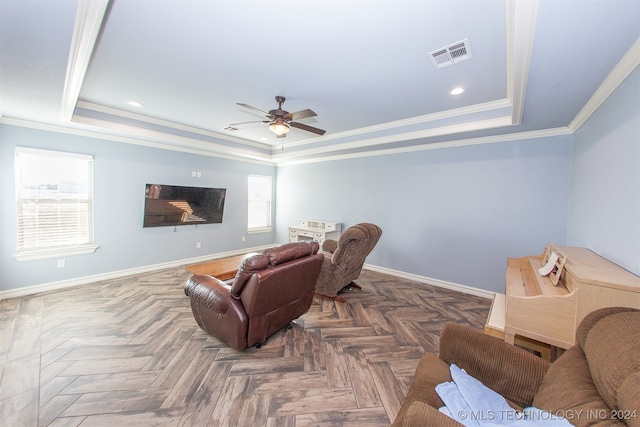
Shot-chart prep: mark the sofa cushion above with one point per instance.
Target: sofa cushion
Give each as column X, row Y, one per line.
column 594, row 317
column 420, row 414
column 567, row 390
column 612, row 349
column 504, row 368
column 629, row 400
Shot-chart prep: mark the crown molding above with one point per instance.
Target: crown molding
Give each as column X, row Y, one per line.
column 544, row 133
column 627, row 64
column 427, row 118
column 146, row 136
column 400, row 137
column 88, row 22
column 288, row 161
column 165, row 123
column 203, row 150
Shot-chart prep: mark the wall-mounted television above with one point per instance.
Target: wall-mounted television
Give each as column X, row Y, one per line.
column 171, row 205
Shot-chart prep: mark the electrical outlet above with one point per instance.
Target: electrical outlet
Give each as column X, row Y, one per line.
column 193, row 174
column 198, row 245
column 244, row 238
column 199, row 174
column 61, row 263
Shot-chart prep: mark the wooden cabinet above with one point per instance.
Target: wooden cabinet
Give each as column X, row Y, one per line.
column 537, row 309
column 314, row 231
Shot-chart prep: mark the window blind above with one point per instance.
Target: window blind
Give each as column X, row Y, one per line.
column 259, row 203
column 54, row 194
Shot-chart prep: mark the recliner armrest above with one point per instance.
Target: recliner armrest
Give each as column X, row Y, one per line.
column 209, row 291
column 330, row 245
column 509, row 370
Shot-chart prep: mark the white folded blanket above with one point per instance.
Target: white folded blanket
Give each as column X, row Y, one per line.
column 473, row 404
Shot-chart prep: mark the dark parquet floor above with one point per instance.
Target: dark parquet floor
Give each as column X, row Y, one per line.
column 127, row 352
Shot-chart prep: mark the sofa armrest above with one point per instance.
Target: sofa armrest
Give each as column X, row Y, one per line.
column 420, row 414
column 509, row 370
column 209, row 291
column 330, row 245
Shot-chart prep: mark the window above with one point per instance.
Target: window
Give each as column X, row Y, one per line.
column 54, row 194
column 259, row 204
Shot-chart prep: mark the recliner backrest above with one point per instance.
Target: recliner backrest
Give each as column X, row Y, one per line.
column 281, row 291
column 355, row 244
column 254, row 263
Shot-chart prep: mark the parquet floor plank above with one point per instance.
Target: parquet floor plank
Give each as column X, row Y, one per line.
column 361, row 380
column 200, row 407
column 128, row 352
column 157, row 418
column 369, row 417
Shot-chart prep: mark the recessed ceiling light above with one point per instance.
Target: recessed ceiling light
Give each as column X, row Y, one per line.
column 134, row 103
column 457, row 91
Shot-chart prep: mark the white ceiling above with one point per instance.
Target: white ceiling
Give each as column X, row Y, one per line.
column 362, row 66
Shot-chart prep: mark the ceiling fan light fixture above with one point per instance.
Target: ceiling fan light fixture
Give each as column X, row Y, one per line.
column 279, row 127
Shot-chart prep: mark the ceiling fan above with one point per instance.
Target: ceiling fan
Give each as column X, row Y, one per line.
column 280, row 120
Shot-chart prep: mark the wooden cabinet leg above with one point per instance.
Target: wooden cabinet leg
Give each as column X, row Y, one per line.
column 509, row 338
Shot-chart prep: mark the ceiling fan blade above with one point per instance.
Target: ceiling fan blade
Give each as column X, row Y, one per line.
column 253, row 108
column 307, row 128
column 253, row 121
column 302, row 114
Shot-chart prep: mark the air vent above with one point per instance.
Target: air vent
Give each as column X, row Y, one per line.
column 452, row 54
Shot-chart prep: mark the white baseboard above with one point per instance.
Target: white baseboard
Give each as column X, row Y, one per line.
column 430, row 281
column 51, row 286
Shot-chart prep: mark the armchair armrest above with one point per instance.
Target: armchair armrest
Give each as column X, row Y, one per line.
column 209, row 291
column 420, row 414
column 330, row 245
column 509, row 370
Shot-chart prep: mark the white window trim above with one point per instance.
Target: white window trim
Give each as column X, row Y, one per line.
column 46, row 254
column 258, row 230
column 38, row 254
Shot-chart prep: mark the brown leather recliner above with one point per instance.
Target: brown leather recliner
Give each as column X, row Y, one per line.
column 345, row 257
column 269, row 291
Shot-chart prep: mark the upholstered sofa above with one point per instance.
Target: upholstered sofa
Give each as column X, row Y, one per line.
column 268, row 292
column 596, row 382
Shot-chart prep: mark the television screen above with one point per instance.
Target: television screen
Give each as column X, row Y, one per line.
column 168, row 205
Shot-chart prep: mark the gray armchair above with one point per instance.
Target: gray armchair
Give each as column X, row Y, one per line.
column 343, row 259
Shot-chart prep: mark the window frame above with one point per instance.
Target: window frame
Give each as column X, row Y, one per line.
column 263, row 228
column 30, row 252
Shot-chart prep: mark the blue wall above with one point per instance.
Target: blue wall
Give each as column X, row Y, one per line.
column 120, row 174
column 605, row 197
column 451, row 214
